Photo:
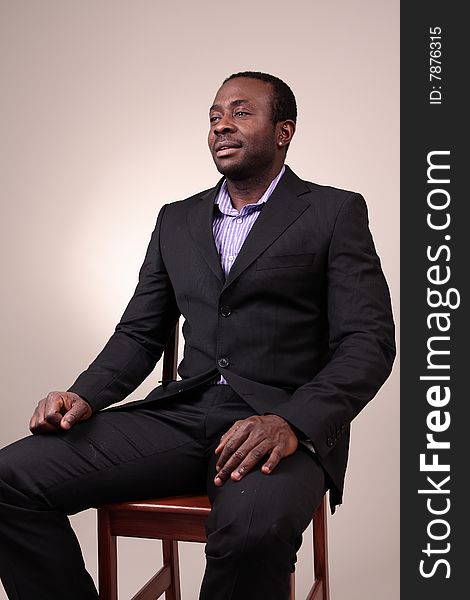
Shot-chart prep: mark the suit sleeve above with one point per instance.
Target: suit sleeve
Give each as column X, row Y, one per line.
column 140, row 337
column 361, row 335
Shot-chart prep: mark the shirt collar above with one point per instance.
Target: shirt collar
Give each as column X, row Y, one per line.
column 225, row 204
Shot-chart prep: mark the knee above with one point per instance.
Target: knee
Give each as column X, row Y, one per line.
column 276, row 542
column 18, row 474
column 8, row 467
column 8, row 478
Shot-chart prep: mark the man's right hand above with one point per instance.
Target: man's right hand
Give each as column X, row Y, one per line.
column 59, row 411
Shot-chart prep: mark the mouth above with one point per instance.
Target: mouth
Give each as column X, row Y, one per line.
column 225, row 148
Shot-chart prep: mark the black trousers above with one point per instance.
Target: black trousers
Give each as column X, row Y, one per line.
column 151, row 450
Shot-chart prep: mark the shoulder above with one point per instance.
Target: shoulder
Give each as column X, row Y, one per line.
column 197, row 208
column 186, row 204
column 326, row 199
column 326, row 192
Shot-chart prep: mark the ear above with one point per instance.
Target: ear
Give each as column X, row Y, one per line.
column 284, row 132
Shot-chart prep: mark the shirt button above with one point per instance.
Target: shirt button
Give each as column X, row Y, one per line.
column 231, row 258
column 223, row 362
column 225, row 311
column 239, row 220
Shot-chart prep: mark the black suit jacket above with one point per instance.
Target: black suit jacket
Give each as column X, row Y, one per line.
column 301, row 328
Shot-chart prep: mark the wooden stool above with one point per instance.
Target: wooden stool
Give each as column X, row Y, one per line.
column 180, row 519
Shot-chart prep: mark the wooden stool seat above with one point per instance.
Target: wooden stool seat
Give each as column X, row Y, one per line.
column 177, row 519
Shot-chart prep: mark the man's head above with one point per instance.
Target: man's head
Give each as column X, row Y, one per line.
column 283, row 102
column 252, row 122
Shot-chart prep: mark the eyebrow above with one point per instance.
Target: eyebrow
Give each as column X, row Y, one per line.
column 232, row 104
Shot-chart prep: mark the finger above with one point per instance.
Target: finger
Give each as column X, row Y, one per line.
column 223, row 441
column 39, row 415
column 273, row 460
column 229, row 448
column 54, row 408
column 38, row 423
column 70, row 418
column 231, row 445
column 250, row 461
column 33, row 422
column 230, row 441
column 43, row 428
column 226, row 436
column 243, row 459
column 224, row 472
column 54, row 418
column 77, row 413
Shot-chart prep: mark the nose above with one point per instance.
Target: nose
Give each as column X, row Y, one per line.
column 224, row 125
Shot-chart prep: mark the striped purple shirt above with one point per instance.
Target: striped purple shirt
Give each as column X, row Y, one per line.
column 231, row 227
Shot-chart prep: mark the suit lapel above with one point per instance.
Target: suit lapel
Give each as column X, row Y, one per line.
column 200, row 226
column 283, row 207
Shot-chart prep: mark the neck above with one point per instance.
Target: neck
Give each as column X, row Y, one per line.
column 249, row 190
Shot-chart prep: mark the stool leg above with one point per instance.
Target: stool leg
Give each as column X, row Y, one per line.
column 170, row 557
column 107, row 558
column 292, row 587
column 320, row 550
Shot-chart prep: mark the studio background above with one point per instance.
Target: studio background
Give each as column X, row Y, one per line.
column 103, row 119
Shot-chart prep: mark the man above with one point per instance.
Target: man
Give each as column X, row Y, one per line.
column 288, row 334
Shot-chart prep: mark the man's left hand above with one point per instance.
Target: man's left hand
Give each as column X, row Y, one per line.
column 248, row 441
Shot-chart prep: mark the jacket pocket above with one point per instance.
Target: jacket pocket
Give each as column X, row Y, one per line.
column 282, row 262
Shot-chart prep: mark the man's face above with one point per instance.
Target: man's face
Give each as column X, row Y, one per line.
column 242, row 135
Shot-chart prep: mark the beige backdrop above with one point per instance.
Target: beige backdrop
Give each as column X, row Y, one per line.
column 103, row 119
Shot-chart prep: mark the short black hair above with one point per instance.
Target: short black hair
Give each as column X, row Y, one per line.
column 284, row 104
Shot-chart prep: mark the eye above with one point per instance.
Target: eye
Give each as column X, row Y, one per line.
column 241, row 113
column 214, row 119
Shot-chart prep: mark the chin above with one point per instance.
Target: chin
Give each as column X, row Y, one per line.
column 234, row 171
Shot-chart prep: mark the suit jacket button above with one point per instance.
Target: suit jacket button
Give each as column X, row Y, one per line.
column 223, row 362
column 330, row 442
column 225, row 311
